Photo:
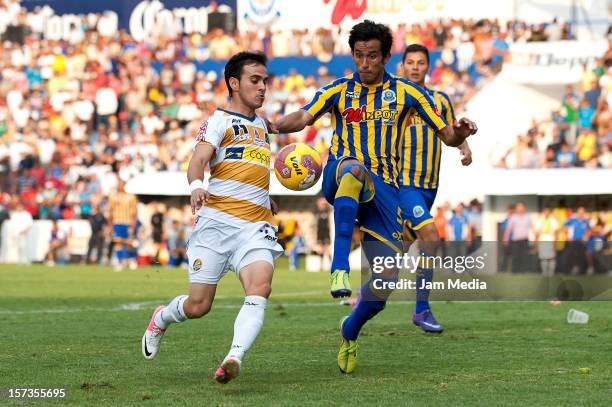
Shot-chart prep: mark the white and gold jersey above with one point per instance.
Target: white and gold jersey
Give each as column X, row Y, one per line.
column 239, row 169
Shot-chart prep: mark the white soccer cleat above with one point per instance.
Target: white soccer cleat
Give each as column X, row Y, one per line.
column 152, row 336
column 228, row 371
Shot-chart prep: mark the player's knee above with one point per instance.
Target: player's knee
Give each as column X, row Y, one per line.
column 358, row 171
column 262, row 290
column 197, row 309
column 428, row 233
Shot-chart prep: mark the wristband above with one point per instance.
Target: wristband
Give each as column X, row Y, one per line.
column 196, row 184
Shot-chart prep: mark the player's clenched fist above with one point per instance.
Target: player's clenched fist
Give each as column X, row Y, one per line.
column 197, row 197
column 466, row 127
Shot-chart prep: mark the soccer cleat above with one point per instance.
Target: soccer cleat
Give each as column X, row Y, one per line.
column 228, row 371
column 347, row 355
column 152, row 336
column 340, row 286
column 427, row 322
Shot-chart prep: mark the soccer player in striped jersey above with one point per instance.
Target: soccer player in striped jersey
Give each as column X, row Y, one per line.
column 233, row 228
column 122, row 210
column 369, row 111
column 419, row 170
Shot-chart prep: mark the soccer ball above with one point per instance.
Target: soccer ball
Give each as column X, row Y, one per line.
column 298, row 166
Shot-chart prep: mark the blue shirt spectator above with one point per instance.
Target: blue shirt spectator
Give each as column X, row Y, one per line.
column 458, row 227
column 585, row 115
column 565, row 157
column 577, row 225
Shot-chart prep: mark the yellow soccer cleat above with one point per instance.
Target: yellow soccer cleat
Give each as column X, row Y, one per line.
column 347, row 355
column 340, row 286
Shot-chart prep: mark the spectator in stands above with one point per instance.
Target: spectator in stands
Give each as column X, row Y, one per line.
column 458, row 232
column 4, row 215
column 519, row 225
column 585, row 114
column 158, row 227
column 545, row 231
column 595, row 245
column 297, row 247
column 98, row 223
column 176, row 243
column 322, row 216
column 586, row 146
column 553, row 31
column 441, row 221
column 21, row 223
column 57, row 244
column 575, row 252
column 565, row 158
column 474, row 216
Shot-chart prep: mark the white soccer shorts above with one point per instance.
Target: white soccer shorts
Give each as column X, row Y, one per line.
column 214, row 248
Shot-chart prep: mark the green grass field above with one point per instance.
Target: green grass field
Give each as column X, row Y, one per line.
column 81, row 327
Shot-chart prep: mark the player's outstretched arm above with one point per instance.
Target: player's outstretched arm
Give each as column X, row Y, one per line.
column 293, row 122
column 195, row 174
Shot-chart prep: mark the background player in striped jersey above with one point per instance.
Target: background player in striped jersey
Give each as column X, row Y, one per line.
column 369, row 111
column 418, row 179
column 233, row 229
column 123, row 217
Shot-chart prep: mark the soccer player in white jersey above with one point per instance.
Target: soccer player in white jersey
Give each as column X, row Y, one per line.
column 233, row 228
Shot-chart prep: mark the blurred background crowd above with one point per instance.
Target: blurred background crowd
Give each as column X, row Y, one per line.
column 561, row 239
column 80, row 116
column 578, row 133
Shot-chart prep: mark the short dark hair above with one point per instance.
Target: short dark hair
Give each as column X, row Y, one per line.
column 416, row 48
column 369, row 30
column 233, row 68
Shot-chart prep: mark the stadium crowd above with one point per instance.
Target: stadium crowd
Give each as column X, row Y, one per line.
column 560, row 239
column 78, row 115
column 578, row 133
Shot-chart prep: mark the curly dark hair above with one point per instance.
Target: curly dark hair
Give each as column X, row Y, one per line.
column 369, row 30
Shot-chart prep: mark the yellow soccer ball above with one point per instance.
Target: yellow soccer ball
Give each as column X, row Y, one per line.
column 298, row 166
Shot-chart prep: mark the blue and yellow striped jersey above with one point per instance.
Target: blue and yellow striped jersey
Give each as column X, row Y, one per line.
column 369, row 120
column 421, row 152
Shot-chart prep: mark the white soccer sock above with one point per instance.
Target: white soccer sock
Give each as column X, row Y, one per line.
column 247, row 325
column 173, row 312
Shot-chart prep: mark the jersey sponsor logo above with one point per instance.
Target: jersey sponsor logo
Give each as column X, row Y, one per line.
column 415, row 120
column 236, row 121
column 234, row 153
column 352, row 115
column 255, row 154
column 388, row 96
column 243, row 132
column 352, row 95
column 418, row 211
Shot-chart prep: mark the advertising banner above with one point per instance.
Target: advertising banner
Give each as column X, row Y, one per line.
column 286, row 14
column 551, row 62
column 139, row 17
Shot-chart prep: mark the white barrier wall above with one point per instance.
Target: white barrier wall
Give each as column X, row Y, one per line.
column 78, row 233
